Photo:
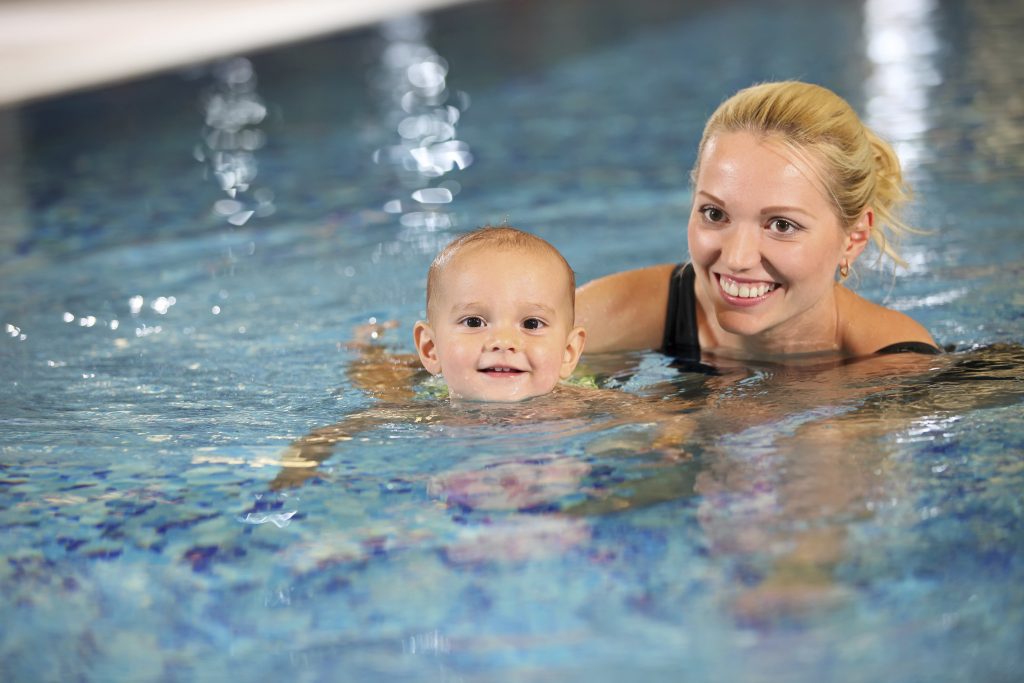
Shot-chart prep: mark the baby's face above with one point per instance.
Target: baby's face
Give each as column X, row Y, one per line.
column 501, row 325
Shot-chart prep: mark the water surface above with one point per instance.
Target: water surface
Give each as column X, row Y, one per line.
column 185, row 259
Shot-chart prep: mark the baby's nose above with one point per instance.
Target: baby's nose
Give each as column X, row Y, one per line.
column 504, row 339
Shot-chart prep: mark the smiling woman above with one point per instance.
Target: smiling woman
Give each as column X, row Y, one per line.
column 789, row 187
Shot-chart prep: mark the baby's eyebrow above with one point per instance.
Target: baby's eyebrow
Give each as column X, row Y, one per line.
column 466, row 306
column 544, row 308
column 530, row 306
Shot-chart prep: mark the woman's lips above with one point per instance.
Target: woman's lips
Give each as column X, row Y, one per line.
column 745, row 292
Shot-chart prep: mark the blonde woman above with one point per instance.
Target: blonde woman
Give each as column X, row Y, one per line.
column 788, row 189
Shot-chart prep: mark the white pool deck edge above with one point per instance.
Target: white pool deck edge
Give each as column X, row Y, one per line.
column 49, row 47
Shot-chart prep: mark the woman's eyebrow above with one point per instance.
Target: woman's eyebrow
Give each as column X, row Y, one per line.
column 712, row 197
column 768, row 210
column 785, row 209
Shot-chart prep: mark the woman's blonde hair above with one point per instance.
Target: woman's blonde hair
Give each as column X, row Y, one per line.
column 859, row 169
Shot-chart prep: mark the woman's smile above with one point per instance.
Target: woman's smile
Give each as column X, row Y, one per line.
column 745, row 292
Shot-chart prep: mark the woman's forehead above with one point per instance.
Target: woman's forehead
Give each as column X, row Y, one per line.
column 746, row 162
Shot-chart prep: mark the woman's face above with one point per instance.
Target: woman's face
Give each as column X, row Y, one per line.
column 765, row 241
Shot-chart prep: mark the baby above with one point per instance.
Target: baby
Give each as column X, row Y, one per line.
column 499, row 317
column 499, row 330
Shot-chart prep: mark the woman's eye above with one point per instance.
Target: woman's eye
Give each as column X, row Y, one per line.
column 473, row 321
column 533, row 323
column 712, row 214
column 782, row 226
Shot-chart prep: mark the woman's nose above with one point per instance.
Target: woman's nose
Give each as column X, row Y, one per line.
column 741, row 249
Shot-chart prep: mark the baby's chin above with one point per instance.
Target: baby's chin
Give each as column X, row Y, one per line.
column 470, row 396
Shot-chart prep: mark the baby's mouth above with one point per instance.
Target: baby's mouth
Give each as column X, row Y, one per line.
column 501, row 370
column 745, row 290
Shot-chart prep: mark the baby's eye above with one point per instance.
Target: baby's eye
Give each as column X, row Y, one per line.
column 712, row 214
column 533, row 323
column 472, row 321
column 782, row 227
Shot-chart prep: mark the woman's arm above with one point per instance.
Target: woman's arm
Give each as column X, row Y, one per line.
column 625, row 311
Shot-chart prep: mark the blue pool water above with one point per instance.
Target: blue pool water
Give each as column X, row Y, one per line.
column 184, row 259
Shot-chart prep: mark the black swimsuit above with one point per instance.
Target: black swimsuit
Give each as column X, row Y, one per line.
column 681, row 338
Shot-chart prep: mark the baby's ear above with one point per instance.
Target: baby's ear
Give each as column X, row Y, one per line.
column 423, row 336
column 573, row 350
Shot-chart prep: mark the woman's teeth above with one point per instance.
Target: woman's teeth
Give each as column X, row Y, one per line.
column 745, row 291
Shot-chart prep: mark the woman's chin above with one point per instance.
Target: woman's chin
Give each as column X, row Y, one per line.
column 743, row 323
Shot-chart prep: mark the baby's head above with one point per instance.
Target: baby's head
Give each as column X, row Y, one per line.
column 500, row 310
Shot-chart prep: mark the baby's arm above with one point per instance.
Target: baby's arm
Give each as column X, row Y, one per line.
column 301, row 460
column 385, row 375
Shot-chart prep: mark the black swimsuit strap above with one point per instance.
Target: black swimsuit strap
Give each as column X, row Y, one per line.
column 680, row 339
column 909, row 347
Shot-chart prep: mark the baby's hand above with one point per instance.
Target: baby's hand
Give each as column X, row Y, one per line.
column 371, row 332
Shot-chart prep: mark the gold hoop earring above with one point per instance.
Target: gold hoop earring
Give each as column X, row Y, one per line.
column 844, row 270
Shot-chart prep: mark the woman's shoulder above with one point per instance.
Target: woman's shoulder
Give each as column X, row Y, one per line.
column 626, row 310
column 867, row 327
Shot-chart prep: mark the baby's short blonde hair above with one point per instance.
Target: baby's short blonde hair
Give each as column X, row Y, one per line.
column 497, row 238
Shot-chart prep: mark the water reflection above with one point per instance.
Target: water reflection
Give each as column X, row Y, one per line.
column 14, row 223
column 799, row 463
column 994, row 66
column 231, row 136
column 901, row 46
column 411, row 81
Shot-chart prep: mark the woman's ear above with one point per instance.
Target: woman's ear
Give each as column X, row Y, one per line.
column 423, row 336
column 857, row 239
column 573, row 350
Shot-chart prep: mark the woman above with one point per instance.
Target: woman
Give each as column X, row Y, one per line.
column 788, row 188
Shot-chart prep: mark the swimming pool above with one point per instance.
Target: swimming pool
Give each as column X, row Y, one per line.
column 185, row 258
